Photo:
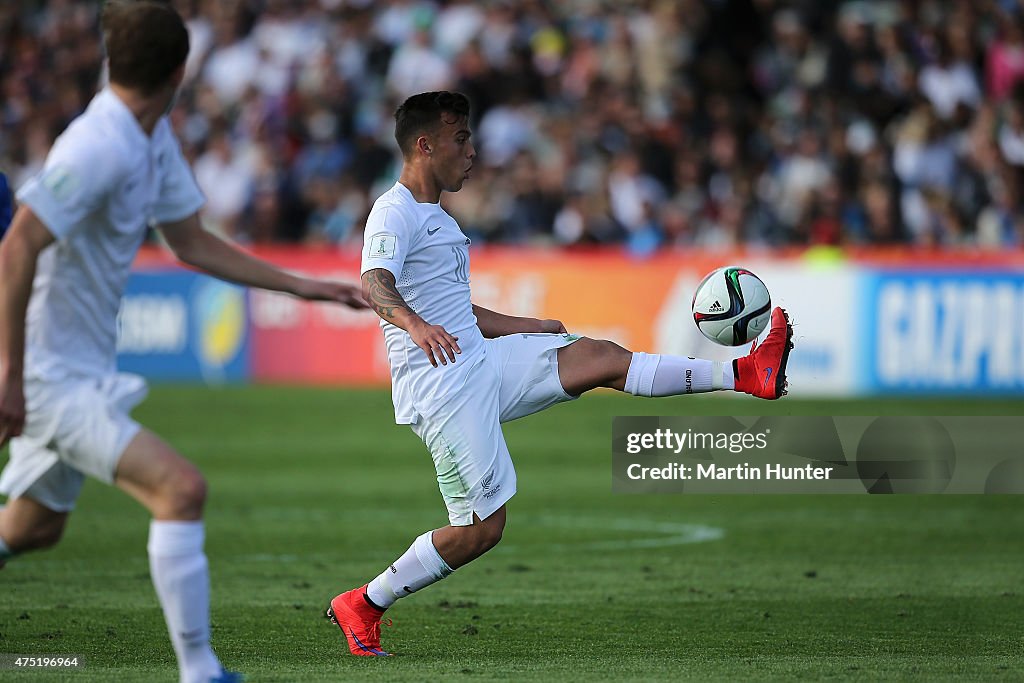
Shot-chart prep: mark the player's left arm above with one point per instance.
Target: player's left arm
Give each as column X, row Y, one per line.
column 19, row 251
column 493, row 324
column 199, row 248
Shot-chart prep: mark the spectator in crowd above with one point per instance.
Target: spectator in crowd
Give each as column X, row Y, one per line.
column 649, row 123
column 225, row 177
column 1005, row 58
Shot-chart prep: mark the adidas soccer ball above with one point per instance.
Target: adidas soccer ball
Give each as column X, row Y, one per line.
column 731, row 306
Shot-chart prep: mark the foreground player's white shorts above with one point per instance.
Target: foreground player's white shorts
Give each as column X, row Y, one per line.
column 518, row 377
column 73, row 428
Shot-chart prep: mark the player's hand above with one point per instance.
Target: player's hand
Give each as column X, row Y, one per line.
column 435, row 342
column 323, row 290
column 12, row 410
column 552, row 327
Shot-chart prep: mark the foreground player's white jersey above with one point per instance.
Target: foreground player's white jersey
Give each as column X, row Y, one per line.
column 423, row 247
column 103, row 182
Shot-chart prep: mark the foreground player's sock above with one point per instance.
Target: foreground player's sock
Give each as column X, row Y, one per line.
column 652, row 374
column 182, row 580
column 420, row 566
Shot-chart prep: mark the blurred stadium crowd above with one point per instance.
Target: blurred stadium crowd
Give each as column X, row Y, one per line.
column 653, row 123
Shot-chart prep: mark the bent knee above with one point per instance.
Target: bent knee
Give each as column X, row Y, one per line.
column 190, row 488
column 488, row 534
column 608, row 350
column 183, row 494
column 49, row 534
column 606, row 362
column 43, row 534
column 490, row 538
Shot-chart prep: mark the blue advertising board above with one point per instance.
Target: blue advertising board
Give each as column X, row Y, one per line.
column 951, row 332
column 181, row 326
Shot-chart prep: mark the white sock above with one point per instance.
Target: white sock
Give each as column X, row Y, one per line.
column 182, row 581
column 652, row 374
column 420, row 566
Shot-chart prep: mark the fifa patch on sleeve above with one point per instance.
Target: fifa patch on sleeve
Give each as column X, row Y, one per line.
column 382, row 245
column 61, row 182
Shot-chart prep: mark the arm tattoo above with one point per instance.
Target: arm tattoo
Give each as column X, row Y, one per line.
column 381, row 292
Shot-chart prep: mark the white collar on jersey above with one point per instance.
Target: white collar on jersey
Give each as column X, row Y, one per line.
column 406, row 190
column 107, row 101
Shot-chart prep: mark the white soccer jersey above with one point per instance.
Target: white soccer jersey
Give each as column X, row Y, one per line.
column 423, row 247
column 103, row 182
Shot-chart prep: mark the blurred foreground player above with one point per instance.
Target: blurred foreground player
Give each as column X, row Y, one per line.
column 415, row 269
column 63, row 266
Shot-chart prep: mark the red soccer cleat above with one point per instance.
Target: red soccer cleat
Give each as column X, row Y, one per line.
column 762, row 373
column 359, row 622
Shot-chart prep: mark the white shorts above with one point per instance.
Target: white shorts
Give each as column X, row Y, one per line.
column 73, row 428
column 518, row 377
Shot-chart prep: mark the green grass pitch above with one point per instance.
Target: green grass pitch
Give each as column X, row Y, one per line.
column 313, row 491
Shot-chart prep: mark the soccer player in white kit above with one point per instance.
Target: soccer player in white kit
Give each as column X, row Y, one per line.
column 459, row 370
column 63, row 268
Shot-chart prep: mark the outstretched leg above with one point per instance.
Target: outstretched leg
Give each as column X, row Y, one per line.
column 591, row 363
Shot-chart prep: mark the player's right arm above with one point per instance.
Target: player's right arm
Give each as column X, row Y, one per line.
column 197, row 247
column 388, row 238
column 381, row 292
column 19, row 251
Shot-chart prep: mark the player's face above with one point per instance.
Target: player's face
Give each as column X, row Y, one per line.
column 454, row 153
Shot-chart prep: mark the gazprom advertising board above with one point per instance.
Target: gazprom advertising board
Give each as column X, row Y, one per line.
column 951, row 332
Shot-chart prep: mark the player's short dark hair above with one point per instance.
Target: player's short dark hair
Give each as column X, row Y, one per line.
column 422, row 113
column 146, row 42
